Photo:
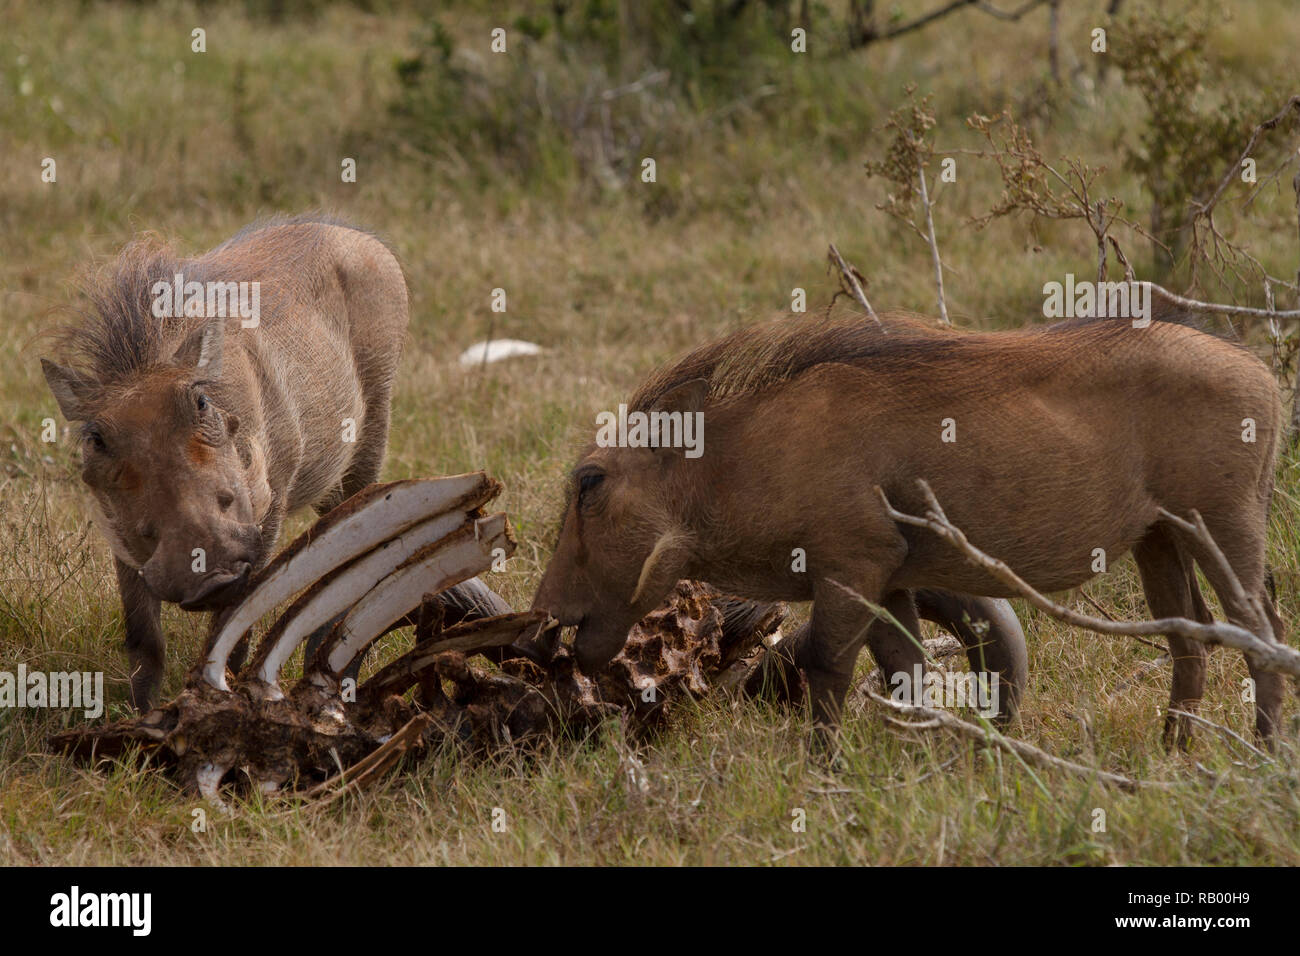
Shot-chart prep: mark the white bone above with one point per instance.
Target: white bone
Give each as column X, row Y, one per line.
column 391, row 509
column 347, row 587
column 495, row 350
column 208, row 777
column 459, row 556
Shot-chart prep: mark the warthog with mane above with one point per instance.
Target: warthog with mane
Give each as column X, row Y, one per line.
column 1043, row 445
column 201, row 433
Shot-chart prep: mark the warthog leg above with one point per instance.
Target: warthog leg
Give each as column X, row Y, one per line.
column 841, row 619
column 1000, row 648
column 1240, row 539
column 145, row 643
column 898, row 655
column 1169, row 582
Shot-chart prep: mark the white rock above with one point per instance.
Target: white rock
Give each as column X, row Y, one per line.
column 497, row 349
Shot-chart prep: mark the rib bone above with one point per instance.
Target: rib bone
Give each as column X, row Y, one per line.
column 435, row 567
column 466, row 638
column 368, row 518
column 341, row 590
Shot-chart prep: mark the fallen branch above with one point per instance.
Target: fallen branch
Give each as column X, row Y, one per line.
column 931, row 719
column 1225, row 731
column 1268, row 654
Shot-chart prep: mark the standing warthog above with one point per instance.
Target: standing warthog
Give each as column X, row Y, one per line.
column 1043, row 445
column 202, row 432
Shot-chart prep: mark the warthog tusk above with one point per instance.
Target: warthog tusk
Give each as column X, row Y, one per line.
column 368, row 518
column 670, row 540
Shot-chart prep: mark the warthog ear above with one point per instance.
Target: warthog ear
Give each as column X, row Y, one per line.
column 202, row 349
column 72, row 390
column 687, row 398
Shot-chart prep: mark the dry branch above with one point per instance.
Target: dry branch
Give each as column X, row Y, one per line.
column 933, row 719
column 1266, row 653
column 1225, row 731
column 1196, row 305
column 927, row 206
column 865, row 32
column 851, row 278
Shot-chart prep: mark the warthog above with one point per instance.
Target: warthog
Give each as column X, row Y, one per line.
column 202, row 432
column 1044, row 445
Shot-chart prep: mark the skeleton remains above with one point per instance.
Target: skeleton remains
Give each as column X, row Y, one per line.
column 386, row 558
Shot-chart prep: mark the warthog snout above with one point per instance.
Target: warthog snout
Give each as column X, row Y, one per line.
column 218, row 589
column 623, row 543
column 205, row 569
column 598, row 638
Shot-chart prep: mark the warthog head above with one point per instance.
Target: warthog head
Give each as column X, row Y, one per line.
column 158, row 452
column 623, row 540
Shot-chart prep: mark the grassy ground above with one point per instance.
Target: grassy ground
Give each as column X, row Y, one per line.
column 612, row 281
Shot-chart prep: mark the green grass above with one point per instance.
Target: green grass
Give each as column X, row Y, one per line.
column 612, row 282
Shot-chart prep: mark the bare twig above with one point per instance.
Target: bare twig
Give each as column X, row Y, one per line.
column 852, row 278
column 1225, row 731
column 865, row 33
column 931, row 718
column 1196, row 305
column 1123, row 260
column 929, row 236
column 1207, row 208
column 1266, row 653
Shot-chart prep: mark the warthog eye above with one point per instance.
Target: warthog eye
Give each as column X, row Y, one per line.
column 587, row 482
column 94, row 438
column 201, row 402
